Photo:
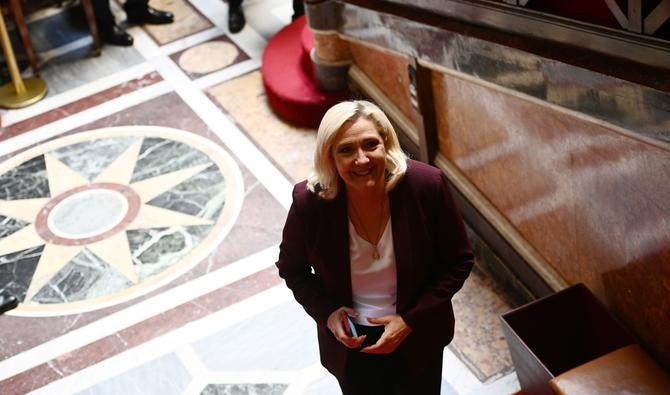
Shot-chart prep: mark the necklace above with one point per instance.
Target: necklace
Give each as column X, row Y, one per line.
column 375, row 246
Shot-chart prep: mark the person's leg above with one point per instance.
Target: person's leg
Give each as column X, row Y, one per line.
column 428, row 381
column 368, row 373
column 109, row 32
column 103, row 15
column 135, row 7
column 298, row 9
column 236, row 20
column 139, row 11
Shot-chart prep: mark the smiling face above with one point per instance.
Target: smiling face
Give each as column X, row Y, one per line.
column 359, row 155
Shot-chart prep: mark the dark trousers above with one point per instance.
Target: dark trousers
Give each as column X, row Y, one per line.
column 104, row 17
column 388, row 373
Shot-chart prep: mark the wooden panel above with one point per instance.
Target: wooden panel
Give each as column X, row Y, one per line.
column 388, row 72
column 589, row 197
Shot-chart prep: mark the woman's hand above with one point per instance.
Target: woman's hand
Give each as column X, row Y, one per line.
column 395, row 332
column 336, row 326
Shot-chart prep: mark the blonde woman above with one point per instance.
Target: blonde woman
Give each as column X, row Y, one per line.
column 374, row 249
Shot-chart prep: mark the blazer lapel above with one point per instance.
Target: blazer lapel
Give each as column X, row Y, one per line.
column 401, row 245
column 334, row 245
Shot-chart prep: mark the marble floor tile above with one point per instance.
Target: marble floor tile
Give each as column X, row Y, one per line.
column 80, row 105
column 57, row 26
column 282, row 338
column 239, row 243
column 258, row 226
column 78, row 67
column 208, row 57
column 140, row 333
column 240, row 389
column 249, row 305
column 167, row 110
column 327, row 385
column 290, row 147
column 447, row 389
column 479, row 341
column 187, row 21
column 508, row 385
column 165, row 375
column 126, row 205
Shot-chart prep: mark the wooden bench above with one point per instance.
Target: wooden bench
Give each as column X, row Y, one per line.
column 557, row 333
column 628, row 370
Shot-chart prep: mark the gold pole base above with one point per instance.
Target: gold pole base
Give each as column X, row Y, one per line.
column 35, row 90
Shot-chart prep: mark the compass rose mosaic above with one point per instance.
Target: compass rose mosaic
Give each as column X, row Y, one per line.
column 98, row 218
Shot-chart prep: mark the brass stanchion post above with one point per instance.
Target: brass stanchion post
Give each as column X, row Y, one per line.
column 19, row 93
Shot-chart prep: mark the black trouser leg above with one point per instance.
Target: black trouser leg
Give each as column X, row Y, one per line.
column 368, row 373
column 389, row 373
column 236, row 20
column 427, row 382
column 298, row 9
column 103, row 15
column 135, row 7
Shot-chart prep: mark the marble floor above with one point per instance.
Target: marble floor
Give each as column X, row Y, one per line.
column 141, row 207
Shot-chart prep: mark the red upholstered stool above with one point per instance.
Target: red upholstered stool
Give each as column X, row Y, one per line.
column 288, row 77
column 628, row 370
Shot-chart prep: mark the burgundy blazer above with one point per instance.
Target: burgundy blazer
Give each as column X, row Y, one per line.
column 433, row 259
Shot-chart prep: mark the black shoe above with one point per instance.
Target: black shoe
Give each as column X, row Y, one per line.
column 7, row 302
column 236, row 19
column 116, row 36
column 151, row 16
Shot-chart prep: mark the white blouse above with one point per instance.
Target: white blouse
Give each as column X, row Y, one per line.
column 373, row 282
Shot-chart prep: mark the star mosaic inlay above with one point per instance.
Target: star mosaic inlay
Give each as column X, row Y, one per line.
column 97, row 218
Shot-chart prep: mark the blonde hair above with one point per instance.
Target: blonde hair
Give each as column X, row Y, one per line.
column 324, row 179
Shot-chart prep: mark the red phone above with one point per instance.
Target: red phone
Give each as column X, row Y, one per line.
column 349, row 326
